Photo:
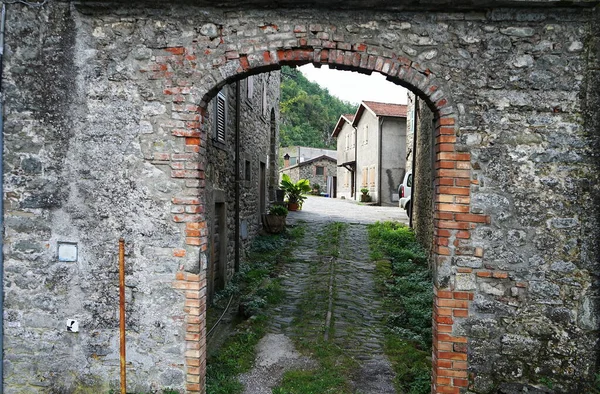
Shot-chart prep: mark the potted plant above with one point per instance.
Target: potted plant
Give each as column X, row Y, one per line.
column 274, row 221
column 365, row 197
column 316, row 189
column 294, row 191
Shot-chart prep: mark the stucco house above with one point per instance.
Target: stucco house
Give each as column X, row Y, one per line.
column 371, row 146
column 320, row 170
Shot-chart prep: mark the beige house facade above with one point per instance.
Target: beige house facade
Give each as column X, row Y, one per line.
column 372, row 152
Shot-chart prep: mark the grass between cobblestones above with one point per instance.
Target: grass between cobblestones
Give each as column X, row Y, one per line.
column 256, row 287
column 335, row 366
column 403, row 277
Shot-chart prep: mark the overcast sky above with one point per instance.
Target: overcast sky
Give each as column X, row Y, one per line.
column 355, row 87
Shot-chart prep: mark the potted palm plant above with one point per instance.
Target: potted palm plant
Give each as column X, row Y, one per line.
column 294, row 191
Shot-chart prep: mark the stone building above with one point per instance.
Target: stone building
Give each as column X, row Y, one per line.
column 372, row 151
column 319, row 171
column 290, row 155
column 254, row 135
column 106, row 135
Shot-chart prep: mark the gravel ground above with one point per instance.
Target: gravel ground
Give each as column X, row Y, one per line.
column 275, row 356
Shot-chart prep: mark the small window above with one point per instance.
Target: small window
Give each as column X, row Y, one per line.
column 366, row 134
column 220, row 117
column 247, row 170
column 320, row 170
column 409, row 181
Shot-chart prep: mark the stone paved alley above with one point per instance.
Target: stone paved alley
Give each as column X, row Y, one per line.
column 335, row 295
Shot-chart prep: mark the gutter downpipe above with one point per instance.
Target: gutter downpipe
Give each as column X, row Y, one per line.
column 237, row 176
column 2, row 22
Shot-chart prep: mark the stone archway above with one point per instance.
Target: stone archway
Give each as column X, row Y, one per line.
column 453, row 217
column 125, row 154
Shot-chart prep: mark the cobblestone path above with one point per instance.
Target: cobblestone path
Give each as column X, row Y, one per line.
column 333, row 296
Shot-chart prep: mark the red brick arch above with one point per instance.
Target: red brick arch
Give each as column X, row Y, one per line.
column 453, row 218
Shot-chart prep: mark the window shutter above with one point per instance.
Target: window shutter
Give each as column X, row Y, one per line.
column 220, row 119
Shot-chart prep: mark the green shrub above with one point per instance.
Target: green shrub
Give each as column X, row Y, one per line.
column 278, row 210
column 408, row 292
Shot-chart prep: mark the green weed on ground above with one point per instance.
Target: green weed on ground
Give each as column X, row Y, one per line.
column 335, row 366
column 403, row 276
column 255, row 286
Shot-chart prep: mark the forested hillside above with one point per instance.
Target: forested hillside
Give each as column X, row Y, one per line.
column 308, row 112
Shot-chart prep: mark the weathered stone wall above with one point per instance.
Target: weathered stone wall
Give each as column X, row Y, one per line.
column 424, row 176
column 95, row 150
column 255, row 144
column 77, row 127
column 308, row 171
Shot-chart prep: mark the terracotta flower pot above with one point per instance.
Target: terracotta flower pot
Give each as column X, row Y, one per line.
column 293, row 206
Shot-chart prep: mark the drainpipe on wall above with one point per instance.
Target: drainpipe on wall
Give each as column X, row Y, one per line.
column 379, row 169
column 237, row 176
column 3, row 18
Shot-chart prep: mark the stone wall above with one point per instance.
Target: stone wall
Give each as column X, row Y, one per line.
column 424, row 176
column 106, row 136
column 255, row 140
column 308, row 171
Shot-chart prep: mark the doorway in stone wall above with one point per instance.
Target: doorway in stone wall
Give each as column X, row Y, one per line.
column 451, row 169
column 429, row 165
column 218, row 251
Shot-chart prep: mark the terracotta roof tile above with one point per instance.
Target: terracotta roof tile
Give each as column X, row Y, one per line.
column 385, row 109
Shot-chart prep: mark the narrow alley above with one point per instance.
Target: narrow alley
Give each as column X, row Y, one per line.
column 332, row 311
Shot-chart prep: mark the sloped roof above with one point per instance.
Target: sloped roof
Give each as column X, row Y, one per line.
column 385, row 109
column 346, row 118
column 380, row 110
column 307, row 162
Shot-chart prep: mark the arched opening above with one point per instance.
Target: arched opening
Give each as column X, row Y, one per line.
column 452, row 221
column 451, row 177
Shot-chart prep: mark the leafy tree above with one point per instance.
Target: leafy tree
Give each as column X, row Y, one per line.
column 308, row 112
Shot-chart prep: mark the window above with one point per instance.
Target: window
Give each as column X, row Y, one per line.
column 372, row 176
column 346, row 178
column 409, row 181
column 366, row 134
column 365, row 173
column 220, row 117
column 320, row 170
column 247, row 170
column 250, row 90
column 352, row 138
column 347, row 141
